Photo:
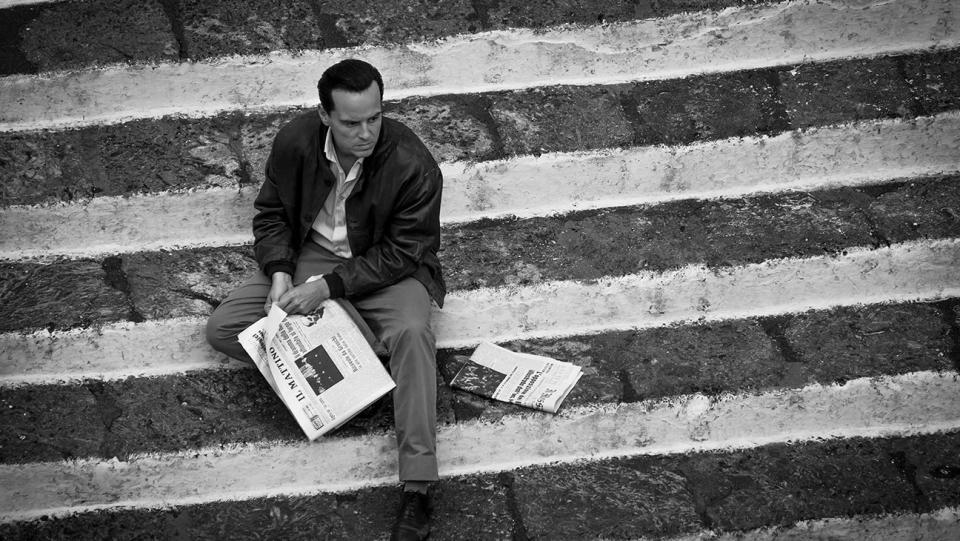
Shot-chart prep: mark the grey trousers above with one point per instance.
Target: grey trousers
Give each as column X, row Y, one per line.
column 399, row 316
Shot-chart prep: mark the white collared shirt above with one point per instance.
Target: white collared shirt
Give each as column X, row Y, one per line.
column 330, row 226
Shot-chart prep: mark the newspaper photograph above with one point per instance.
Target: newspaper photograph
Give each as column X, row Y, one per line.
column 320, row 365
column 528, row 380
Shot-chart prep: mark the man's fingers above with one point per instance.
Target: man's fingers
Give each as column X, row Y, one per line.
column 288, row 302
column 296, row 301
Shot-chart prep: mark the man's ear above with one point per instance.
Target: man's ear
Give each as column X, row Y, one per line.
column 324, row 116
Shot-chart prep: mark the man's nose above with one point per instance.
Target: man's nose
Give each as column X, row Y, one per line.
column 364, row 131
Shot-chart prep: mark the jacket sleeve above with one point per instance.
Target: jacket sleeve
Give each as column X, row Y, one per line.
column 272, row 231
column 414, row 230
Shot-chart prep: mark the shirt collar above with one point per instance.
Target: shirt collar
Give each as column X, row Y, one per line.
column 330, row 151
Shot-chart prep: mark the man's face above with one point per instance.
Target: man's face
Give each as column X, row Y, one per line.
column 355, row 121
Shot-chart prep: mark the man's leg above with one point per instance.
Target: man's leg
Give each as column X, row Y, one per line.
column 400, row 317
column 242, row 307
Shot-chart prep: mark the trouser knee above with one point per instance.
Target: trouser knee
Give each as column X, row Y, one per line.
column 222, row 335
column 411, row 334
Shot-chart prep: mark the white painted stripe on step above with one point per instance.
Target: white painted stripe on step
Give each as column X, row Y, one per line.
column 852, row 154
column 916, row 403
column 4, row 4
column 940, row 524
column 108, row 225
column 676, row 46
column 111, row 352
column 922, row 270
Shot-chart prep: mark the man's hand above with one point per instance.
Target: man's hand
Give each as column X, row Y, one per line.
column 304, row 298
column 282, row 282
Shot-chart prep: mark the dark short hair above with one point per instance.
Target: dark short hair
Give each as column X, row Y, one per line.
column 351, row 75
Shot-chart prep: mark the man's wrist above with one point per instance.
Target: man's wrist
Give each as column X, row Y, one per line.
column 281, row 277
column 333, row 282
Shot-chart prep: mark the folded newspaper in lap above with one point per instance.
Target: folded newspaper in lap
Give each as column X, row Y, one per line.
column 520, row 378
column 320, row 365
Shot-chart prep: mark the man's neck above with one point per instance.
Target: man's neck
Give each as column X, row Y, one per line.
column 346, row 162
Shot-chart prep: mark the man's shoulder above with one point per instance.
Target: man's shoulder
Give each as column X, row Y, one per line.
column 300, row 133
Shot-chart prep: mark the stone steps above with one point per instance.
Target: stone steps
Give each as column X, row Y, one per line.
column 467, row 130
column 867, row 407
column 765, row 35
column 746, row 355
column 895, row 488
column 681, row 261
column 744, row 224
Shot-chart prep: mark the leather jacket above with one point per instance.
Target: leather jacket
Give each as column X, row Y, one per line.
column 393, row 212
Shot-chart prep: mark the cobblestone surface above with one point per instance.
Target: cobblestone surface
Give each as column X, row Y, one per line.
column 59, row 296
column 705, row 108
column 219, row 27
column 871, row 341
column 782, row 484
column 143, row 156
column 934, row 471
column 819, row 94
column 454, row 128
column 76, row 34
column 560, row 119
column 615, row 499
column 935, row 80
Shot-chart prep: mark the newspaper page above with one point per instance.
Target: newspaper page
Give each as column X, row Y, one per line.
column 319, row 364
column 520, row 378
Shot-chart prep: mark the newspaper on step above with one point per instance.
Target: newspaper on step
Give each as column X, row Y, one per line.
column 519, row 378
column 319, row 364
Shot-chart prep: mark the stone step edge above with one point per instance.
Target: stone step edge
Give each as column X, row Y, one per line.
column 922, row 270
column 910, row 404
column 4, row 4
column 676, row 46
column 850, row 154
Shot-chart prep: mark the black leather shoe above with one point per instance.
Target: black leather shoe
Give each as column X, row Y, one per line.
column 413, row 520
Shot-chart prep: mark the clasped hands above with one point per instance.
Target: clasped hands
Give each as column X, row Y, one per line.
column 301, row 299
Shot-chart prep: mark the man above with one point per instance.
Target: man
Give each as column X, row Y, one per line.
column 353, row 198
